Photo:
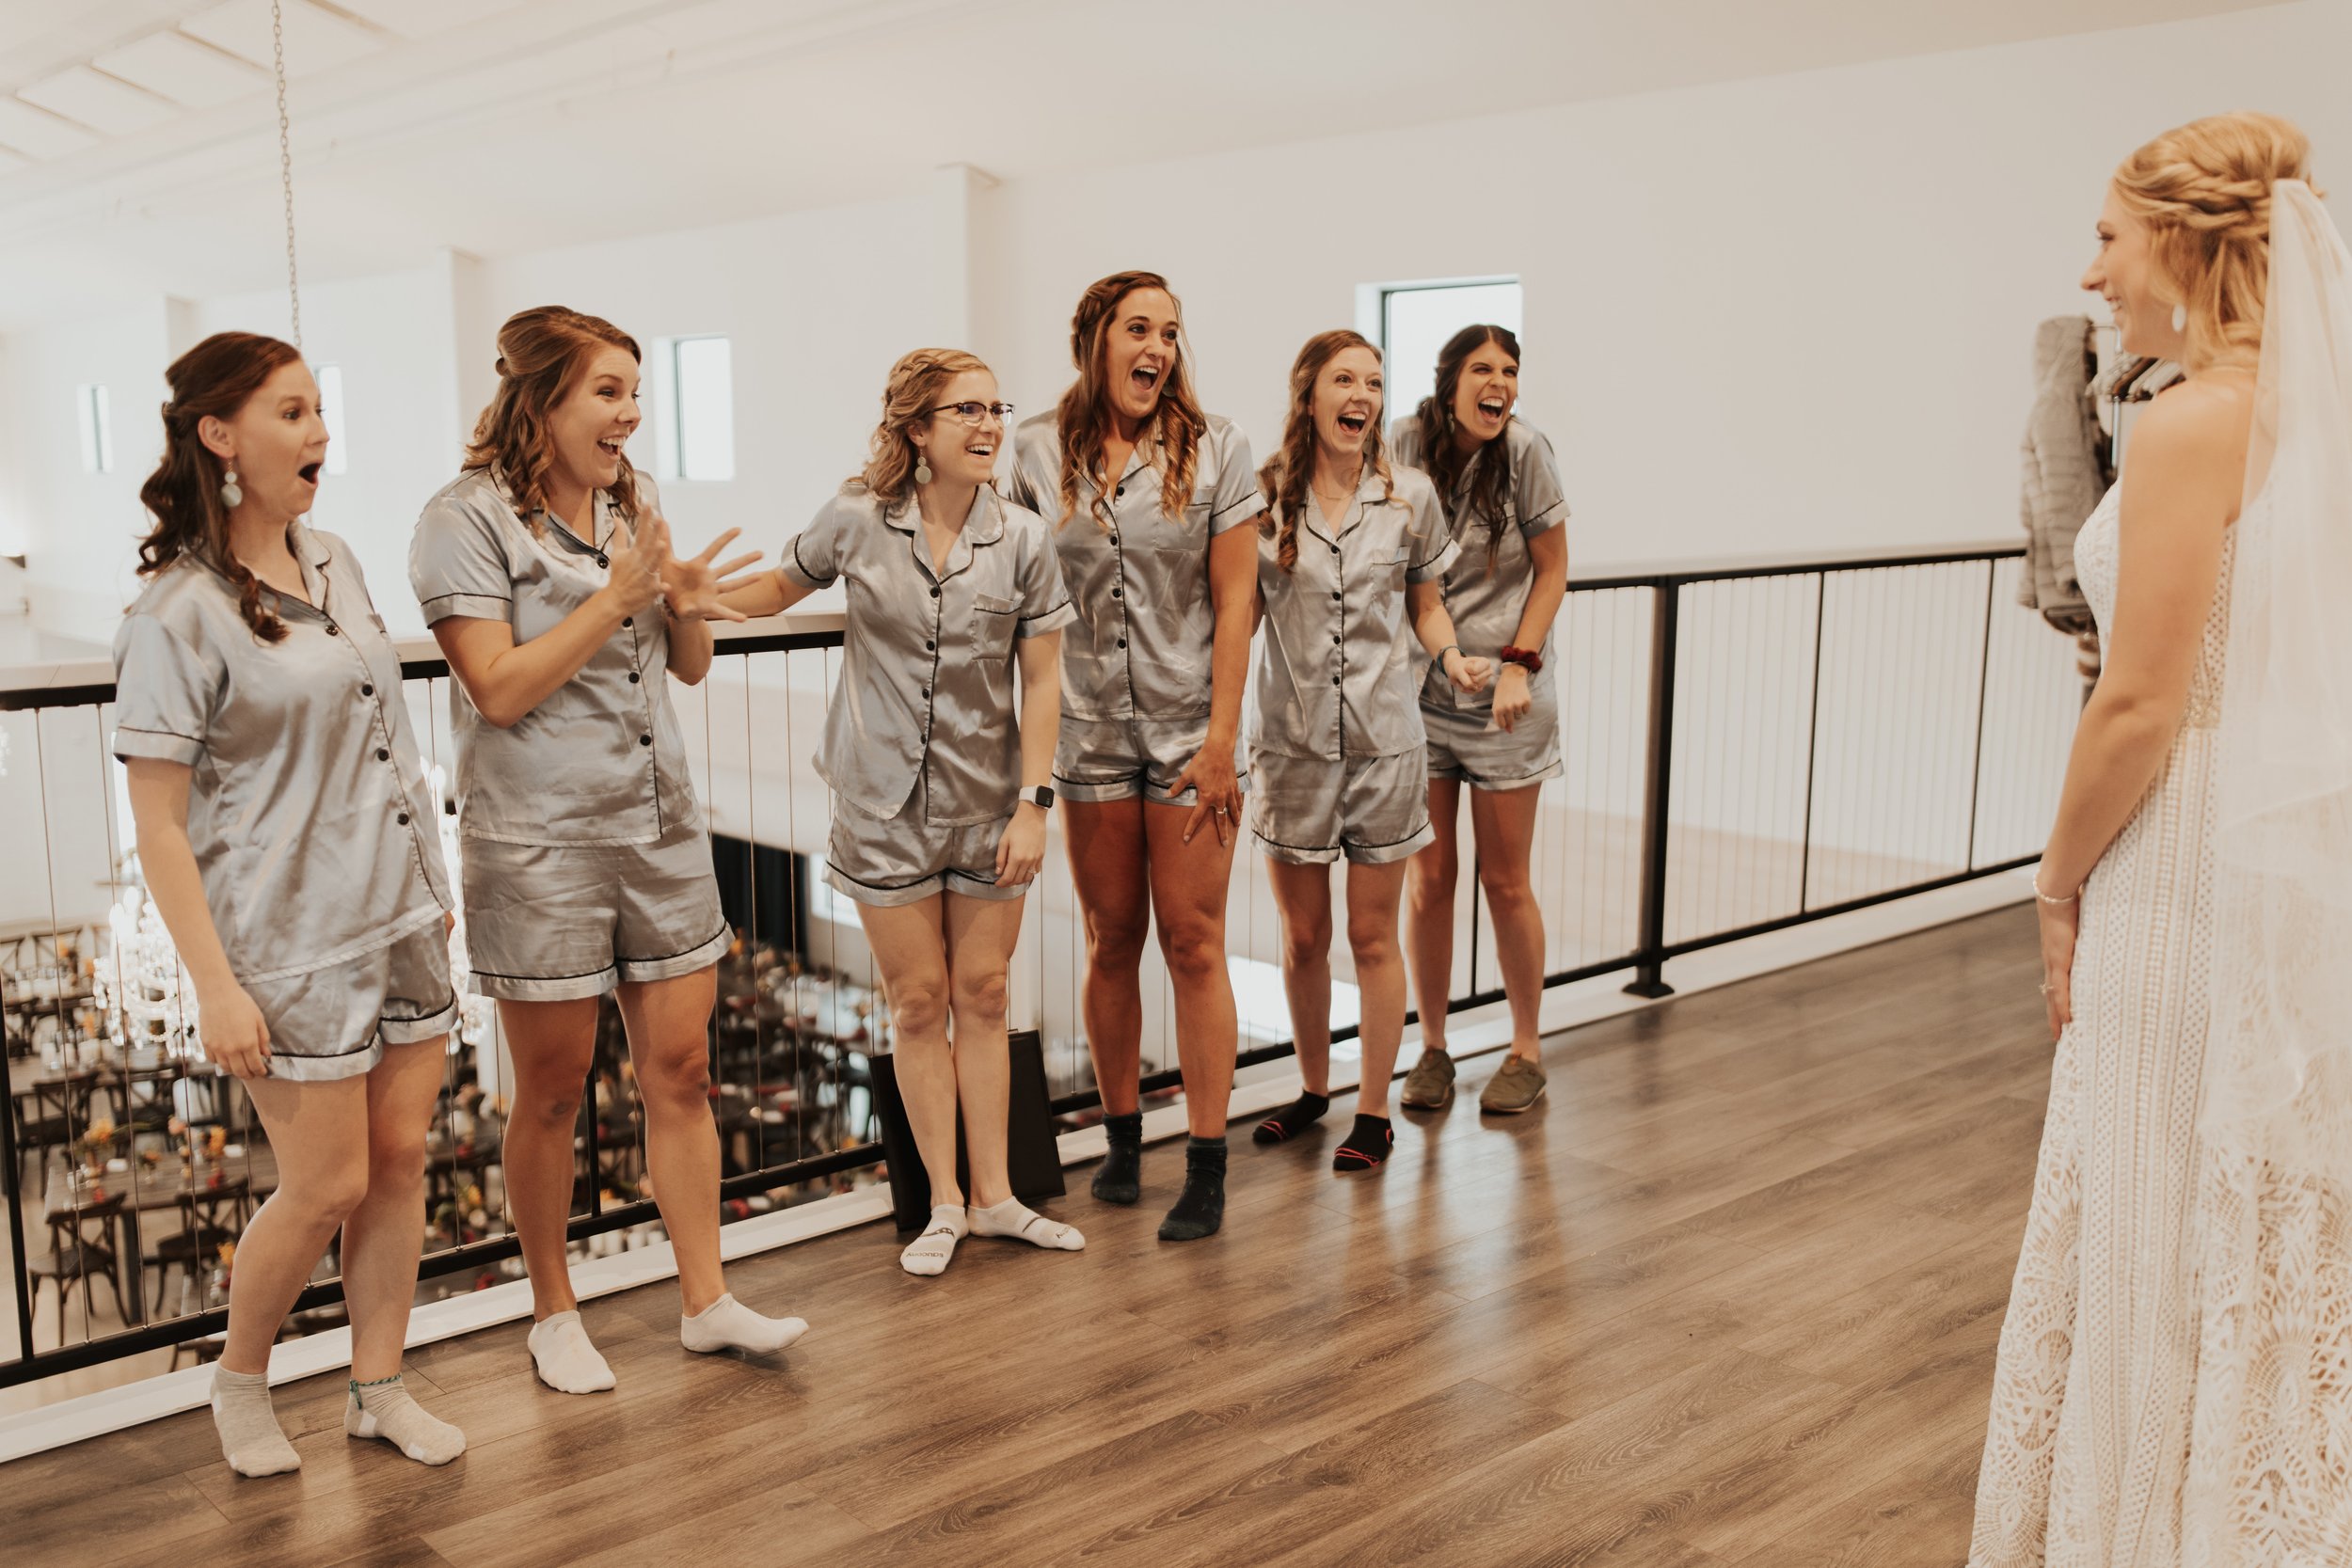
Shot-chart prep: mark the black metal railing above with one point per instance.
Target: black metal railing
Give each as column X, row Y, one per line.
column 1749, row 746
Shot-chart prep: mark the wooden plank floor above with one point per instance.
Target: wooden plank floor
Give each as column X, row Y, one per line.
column 1727, row 1296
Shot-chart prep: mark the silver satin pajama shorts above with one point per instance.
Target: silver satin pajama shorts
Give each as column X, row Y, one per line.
column 1115, row 759
column 1463, row 744
column 334, row 1023
column 1312, row 811
column 885, row 861
column 556, row 922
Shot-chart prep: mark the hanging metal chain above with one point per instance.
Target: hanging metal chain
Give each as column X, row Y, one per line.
column 285, row 164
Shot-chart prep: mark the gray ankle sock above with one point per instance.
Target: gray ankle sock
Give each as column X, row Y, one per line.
column 251, row 1440
column 384, row 1409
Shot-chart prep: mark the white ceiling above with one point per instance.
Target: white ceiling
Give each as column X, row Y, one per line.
column 139, row 137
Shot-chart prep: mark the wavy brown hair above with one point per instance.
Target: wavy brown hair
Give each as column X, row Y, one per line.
column 1439, row 457
column 1284, row 479
column 2203, row 190
column 1084, row 416
column 214, row 379
column 543, row 352
column 915, row 383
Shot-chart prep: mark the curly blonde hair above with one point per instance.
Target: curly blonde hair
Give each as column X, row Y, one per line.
column 915, row 383
column 2203, row 190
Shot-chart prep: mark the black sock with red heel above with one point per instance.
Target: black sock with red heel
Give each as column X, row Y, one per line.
column 1291, row 1120
column 1366, row 1145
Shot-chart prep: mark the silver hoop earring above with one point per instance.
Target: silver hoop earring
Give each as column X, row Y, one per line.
column 922, row 469
column 2179, row 318
column 230, row 495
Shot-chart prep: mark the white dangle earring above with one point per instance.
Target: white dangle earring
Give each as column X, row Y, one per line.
column 922, row 467
column 230, row 494
column 2179, row 318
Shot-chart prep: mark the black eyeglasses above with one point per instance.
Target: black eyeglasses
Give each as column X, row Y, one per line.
column 972, row 413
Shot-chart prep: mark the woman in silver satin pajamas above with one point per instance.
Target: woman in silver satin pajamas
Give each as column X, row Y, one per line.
column 286, row 837
column 1502, row 495
column 546, row 575
column 939, row 788
column 1150, row 498
column 1348, row 571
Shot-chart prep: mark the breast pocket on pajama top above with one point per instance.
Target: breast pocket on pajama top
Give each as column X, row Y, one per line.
column 994, row 621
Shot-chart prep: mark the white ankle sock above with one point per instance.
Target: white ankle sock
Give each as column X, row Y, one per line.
column 927, row 1253
column 566, row 1361
column 728, row 1325
column 251, row 1438
column 1015, row 1219
column 386, row 1409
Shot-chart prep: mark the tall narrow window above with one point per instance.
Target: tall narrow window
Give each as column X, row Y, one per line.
column 98, row 443
column 702, row 409
column 1416, row 318
column 331, row 410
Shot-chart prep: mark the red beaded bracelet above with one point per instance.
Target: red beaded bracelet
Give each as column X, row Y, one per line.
column 1526, row 659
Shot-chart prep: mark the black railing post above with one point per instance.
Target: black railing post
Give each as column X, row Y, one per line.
column 16, row 1222
column 1649, row 956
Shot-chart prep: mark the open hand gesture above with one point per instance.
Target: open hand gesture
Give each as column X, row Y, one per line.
column 693, row 586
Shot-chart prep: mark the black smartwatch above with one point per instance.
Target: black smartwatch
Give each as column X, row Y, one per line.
column 1041, row 797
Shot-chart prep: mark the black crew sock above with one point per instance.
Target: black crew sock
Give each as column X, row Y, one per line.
column 1120, row 1177
column 1200, row 1208
column 1291, row 1120
column 1366, row 1145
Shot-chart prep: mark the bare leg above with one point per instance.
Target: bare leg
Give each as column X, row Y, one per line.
column 1303, row 894
column 552, row 1044
column 1373, row 891
column 319, row 1133
column 383, row 1235
column 1189, row 891
column 1109, row 869
column 981, row 937
column 669, row 1041
column 1429, row 925
column 909, row 946
column 1504, row 822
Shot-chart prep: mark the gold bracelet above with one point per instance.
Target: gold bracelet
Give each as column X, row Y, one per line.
column 2074, row 896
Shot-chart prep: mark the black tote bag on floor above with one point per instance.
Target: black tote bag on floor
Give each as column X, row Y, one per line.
column 1032, row 1157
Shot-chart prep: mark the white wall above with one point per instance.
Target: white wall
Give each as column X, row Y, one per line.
column 1764, row 315
column 1759, row 316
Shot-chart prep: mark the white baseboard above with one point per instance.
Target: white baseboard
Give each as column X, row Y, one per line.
column 1469, row 1034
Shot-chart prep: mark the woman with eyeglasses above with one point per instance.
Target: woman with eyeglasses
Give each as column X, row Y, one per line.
column 1148, row 497
column 939, row 788
column 546, row 575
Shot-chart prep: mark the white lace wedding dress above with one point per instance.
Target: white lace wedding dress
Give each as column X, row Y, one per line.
column 2176, row 1305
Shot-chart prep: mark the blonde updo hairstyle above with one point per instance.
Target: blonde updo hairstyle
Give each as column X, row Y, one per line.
column 916, row 382
column 2203, row 190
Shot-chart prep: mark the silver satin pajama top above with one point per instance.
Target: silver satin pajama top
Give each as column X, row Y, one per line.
column 1141, row 647
column 1336, row 654
column 928, row 669
column 601, row 759
column 307, row 808
column 1487, row 604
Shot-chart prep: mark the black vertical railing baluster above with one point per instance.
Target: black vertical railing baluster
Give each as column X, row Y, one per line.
column 1649, row 955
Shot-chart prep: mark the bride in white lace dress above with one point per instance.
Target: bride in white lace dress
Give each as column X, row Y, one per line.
column 2174, row 1386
